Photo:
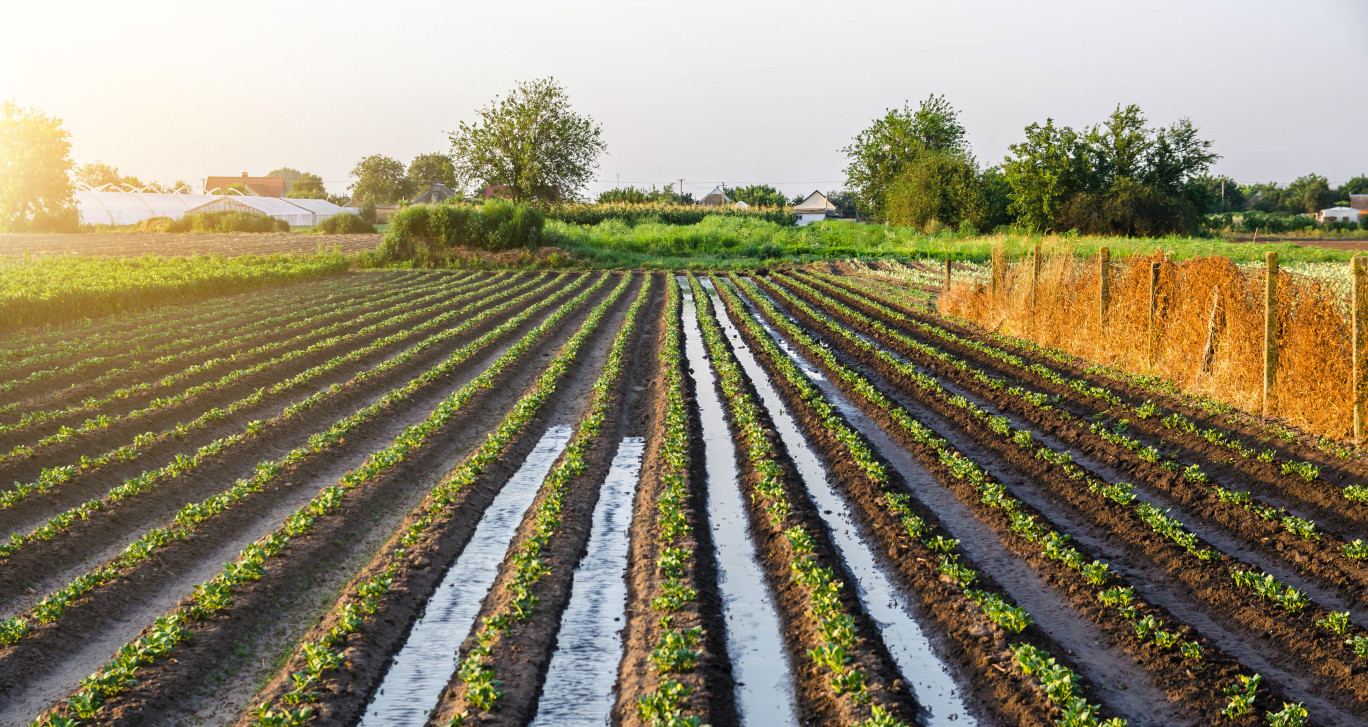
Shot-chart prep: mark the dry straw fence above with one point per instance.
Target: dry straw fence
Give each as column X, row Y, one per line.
column 1265, row 341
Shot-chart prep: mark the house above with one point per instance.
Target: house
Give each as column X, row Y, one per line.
column 813, row 208
column 715, row 198
column 1359, row 202
column 255, row 186
column 740, row 206
column 1338, row 214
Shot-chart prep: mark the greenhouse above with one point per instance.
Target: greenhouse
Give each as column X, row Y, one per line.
column 100, row 207
column 281, row 209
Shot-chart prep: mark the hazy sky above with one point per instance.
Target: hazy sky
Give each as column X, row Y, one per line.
column 735, row 92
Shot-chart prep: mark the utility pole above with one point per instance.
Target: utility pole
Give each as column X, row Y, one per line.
column 681, row 190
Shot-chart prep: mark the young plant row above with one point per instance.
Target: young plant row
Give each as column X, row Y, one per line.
column 194, row 515
column 215, row 595
column 1117, row 498
column 223, row 333
column 1173, row 423
column 938, row 552
column 47, row 346
column 477, row 678
column 1144, row 457
column 53, row 476
column 184, row 464
column 364, row 601
column 397, row 313
column 835, row 641
column 675, row 653
column 1136, row 618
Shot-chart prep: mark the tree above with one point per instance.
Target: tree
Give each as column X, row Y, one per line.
column 757, row 195
column 531, row 142
column 624, row 195
column 1224, row 194
column 36, row 191
column 289, row 175
column 1310, row 193
column 307, row 186
column 842, row 199
column 879, row 153
column 1357, row 185
column 1117, row 177
column 428, row 169
column 95, row 174
column 940, row 185
column 380, row 179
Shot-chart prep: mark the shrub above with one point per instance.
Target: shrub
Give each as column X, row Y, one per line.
column 344, row 224
column 155, row 224
column 659, row 212
column 428, row 233
column 228, row 222
column 368, row 210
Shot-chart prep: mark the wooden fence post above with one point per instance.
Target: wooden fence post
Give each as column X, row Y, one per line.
column 1154, row 314
column 1035, row 274
column 1270, row 362
column 1103, row 286
column 947, row 272
column 1359, row 307
column 1213, row 331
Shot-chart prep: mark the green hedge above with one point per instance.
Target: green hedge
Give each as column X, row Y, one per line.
column 426, row 233
column 670, row 214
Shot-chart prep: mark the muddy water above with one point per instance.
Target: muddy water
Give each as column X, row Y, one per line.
column 936, row 691
column 579, row 683
column 764, row 682
column 1124, row 686
column 427, row 660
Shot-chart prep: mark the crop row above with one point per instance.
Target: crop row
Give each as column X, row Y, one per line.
column 998, row 432
column 364, row 599
column 143, row 326
column 226, row 323
column 56, row 475
column 215, row 595
column 835, row 645
column 1331, row 560
column 667, row 702
column 184, row 464
column 194, row 515
column 937, row 553
column 398, row 312
column 477, row 677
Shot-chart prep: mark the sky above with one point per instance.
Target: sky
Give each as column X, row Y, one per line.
column 729, row 92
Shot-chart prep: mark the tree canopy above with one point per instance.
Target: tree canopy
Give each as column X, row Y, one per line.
column 881, row 152
column 307, row 186
column 531, row 142
column 36, row 191
column 428, row 169
column 1119, row 177
column 381, row 179
column 757, row 195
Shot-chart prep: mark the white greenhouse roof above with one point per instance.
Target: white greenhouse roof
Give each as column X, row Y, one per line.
column 322, row 208
column 130, row 208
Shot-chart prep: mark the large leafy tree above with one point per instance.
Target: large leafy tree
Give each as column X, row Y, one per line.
column 36, row 191
column 290, row 175
column 531, row 142
column 1121, row 176
column 380, row 179
column 428, row 169
column 940, row 185
column 1310, row 193
column 307, row 186
column 95, row 174
column 1357, row 185
column 878, row 154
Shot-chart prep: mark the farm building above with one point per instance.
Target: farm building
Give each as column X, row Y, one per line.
column 1359, row 202
column 1338, row 214
column 715, row 198
column 740, row 206
column 255, row 186
column 297, row 212
column 815, row 207
column 100, row 207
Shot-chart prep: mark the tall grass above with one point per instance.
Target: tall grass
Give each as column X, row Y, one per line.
column 1314, row 328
